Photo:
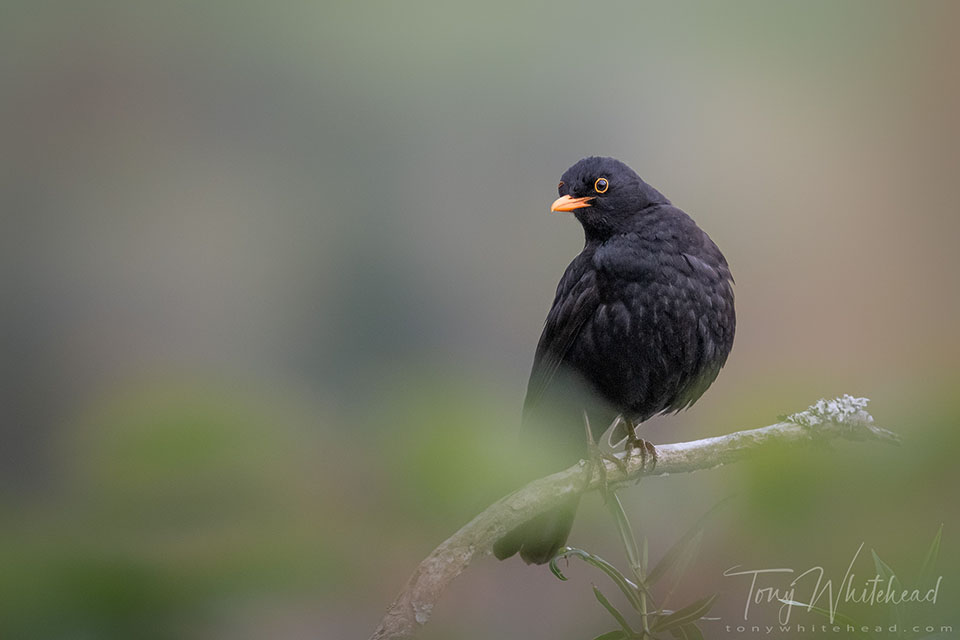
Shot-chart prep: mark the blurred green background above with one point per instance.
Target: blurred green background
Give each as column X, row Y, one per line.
column 273, row 275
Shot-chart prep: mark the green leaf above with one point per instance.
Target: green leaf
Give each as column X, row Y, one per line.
column 629, row 589
column 693, row 631
column 837, row 616
column 616, row 634
column 687, row 632
column 626, row 534
column 613, row 611
column 690, row 613
column 554, row 569
column 926, row 577
column 681, row 547
column 926, row 570
column 887, row 574
column 645, row 558
column 683, row 564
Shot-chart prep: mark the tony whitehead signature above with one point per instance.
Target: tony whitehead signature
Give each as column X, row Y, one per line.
column 873, row 591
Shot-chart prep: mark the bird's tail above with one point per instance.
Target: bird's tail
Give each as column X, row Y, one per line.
column 539, row 539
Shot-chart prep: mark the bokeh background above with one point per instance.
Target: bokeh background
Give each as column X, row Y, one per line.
column 272, row 277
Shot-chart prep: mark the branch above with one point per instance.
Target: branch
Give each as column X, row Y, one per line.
column 844, row 418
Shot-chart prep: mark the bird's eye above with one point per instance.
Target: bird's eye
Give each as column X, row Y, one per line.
column 560, row 186
column 601, row 185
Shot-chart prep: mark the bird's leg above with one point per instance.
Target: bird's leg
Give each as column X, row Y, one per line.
column 647, row 450
column 596, row 456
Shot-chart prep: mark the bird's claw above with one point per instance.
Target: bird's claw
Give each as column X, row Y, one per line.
column 648, row 452
column 596, row 457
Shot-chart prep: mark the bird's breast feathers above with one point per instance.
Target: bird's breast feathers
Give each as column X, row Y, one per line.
column 660, row 320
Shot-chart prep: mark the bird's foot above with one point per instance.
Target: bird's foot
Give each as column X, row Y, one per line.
column 648, row 452
column 596, row 458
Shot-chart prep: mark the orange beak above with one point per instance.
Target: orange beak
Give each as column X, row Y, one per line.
column 566, row 203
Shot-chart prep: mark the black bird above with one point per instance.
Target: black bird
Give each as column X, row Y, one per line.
column 642, row 322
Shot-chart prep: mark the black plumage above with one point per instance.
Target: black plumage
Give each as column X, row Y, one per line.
column 642, row 322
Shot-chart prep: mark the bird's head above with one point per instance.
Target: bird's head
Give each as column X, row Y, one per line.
column 605, row 195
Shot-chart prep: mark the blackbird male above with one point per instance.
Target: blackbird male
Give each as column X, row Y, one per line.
column 642, row 322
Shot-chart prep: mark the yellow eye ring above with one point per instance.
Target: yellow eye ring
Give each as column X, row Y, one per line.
column 601, row 185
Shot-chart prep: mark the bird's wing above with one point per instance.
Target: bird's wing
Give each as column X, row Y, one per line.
column 577, row 300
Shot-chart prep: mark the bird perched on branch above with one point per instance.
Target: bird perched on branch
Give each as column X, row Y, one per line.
column 642, row 322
